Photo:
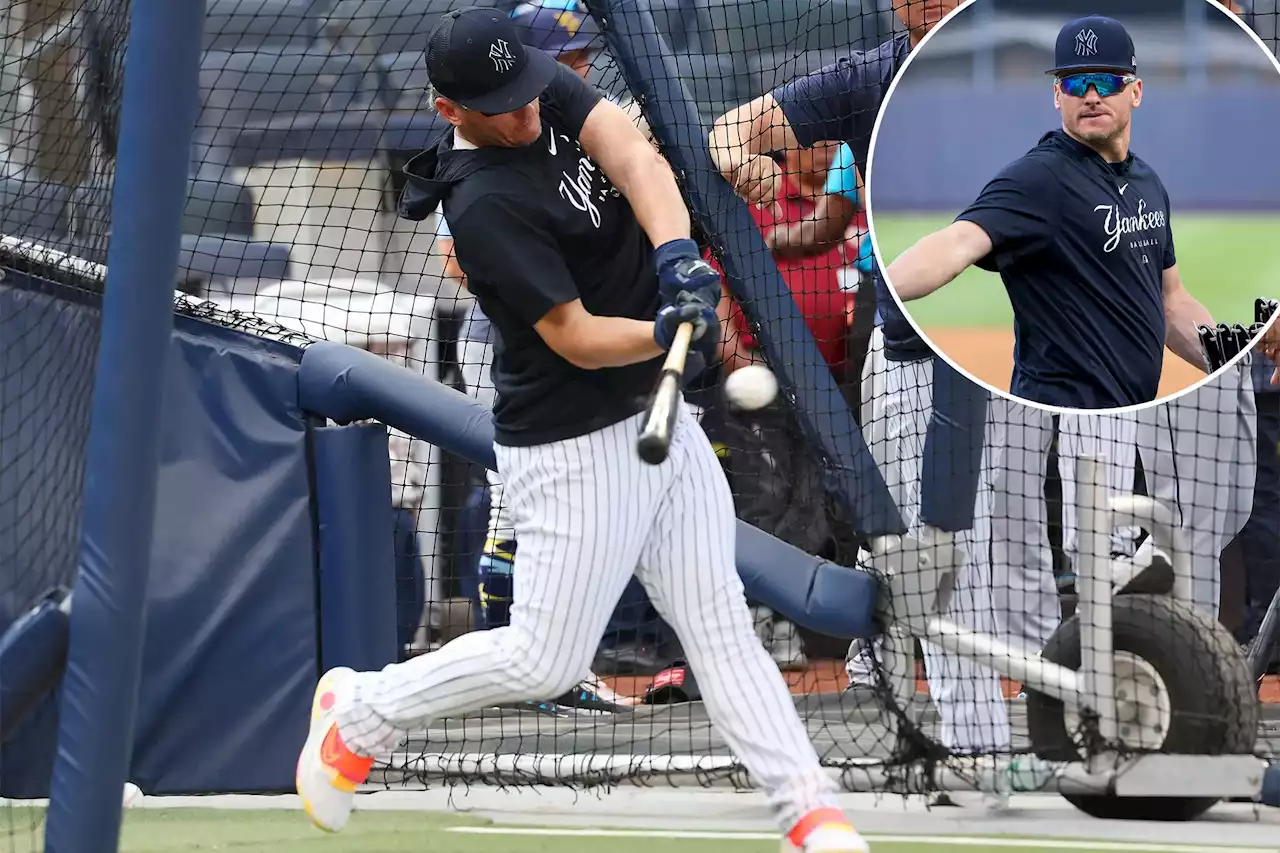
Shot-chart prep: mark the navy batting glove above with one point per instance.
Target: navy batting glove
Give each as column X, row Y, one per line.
column 706, row 327
column 683, row 272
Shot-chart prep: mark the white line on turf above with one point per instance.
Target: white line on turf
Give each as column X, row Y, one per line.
column 940, row 840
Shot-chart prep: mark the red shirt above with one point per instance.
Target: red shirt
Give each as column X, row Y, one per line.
column 813, row 282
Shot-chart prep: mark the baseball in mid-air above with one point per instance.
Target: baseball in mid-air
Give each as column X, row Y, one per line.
column 751, row 387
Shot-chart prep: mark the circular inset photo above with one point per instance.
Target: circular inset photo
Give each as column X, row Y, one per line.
column 1066, row 198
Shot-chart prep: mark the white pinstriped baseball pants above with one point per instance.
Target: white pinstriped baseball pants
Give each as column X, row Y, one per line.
column 588, row 514
column 1027, row 602
column 897, row 402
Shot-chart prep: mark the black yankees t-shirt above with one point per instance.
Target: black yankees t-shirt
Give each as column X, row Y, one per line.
column 1081, row 245
column 533, row 228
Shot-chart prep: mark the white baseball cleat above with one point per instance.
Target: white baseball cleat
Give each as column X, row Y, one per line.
column 328, row 772
column 824, row 831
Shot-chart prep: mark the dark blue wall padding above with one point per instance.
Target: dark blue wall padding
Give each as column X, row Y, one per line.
column 46, row 376
column 230, row 654
column 357, row 557
column 347, row 384
column 33, row 655
column 922, row 164
column 230, row 658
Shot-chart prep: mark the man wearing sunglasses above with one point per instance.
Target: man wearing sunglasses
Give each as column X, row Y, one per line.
column 1079, row 230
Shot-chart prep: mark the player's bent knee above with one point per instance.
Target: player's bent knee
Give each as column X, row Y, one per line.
column 539, row 669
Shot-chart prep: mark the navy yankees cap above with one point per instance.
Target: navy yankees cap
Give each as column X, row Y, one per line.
column 556, row 26
column 475, row 57
column 1095, row 43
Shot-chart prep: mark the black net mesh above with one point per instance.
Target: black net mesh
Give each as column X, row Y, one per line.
column 60, row 66
column 310, row 108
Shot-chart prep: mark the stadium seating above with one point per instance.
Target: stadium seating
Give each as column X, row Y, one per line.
column 253, row 24
column 219, row 262
column 37, row 210
column 260, row 86
column 217, row 207
column 368, row 28
column 402, row 81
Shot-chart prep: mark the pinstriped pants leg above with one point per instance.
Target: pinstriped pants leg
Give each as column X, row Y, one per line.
column 1026, row 595
column 688, row 568
column 967, row 695
column 582, row 509
column 588, row 514
column 1114, row 436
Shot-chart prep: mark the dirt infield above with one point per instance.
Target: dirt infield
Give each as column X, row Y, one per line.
column 828, row 676
column 988, row 355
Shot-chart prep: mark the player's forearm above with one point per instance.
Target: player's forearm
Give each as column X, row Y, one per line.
column 600, row 342
column 650, row 188
column 750, row 130
column 927, row 266
column 1183, row 316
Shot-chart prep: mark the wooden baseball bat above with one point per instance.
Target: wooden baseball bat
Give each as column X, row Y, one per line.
column 660, row 417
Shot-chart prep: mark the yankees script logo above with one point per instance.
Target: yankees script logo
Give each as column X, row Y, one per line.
column 1116, row 225
column 578, row 187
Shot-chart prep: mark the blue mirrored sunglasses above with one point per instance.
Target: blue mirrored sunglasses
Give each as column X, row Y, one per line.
column 1076, row 85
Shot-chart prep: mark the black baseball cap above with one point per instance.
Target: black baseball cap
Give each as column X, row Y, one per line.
column 475, row 57
column 1094, row 43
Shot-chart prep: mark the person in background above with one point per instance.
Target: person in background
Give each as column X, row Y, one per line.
column 805, row 231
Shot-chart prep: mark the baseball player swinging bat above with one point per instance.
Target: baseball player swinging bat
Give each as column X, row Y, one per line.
column 660, row 417
column 570, row 277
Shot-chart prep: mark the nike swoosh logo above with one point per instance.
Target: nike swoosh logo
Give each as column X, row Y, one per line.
column 1123, row 188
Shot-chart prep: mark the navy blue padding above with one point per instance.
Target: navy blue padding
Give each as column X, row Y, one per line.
column 230, row 653
column 348, row 384
column 218, row 257
column 46, row 375
column 952, row 450
column 33, row 654
column 231, row 624
column 357, row 554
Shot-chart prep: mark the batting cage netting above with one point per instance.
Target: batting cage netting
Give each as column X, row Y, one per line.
column 936, row 584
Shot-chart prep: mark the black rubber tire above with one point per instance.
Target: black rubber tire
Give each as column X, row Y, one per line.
column 1214, row 705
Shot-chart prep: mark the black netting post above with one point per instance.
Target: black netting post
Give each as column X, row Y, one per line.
column 753, row 277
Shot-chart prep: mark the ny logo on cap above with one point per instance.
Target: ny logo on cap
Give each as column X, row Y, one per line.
column 500, row 53
column 1086, row 43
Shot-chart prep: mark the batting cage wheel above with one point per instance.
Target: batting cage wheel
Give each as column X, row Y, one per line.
column 1182, row 687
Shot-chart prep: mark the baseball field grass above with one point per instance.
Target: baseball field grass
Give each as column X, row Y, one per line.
column 1226, row 261
column 272, row 831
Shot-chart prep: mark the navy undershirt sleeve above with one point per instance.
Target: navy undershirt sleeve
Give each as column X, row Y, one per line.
column 836, row 103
